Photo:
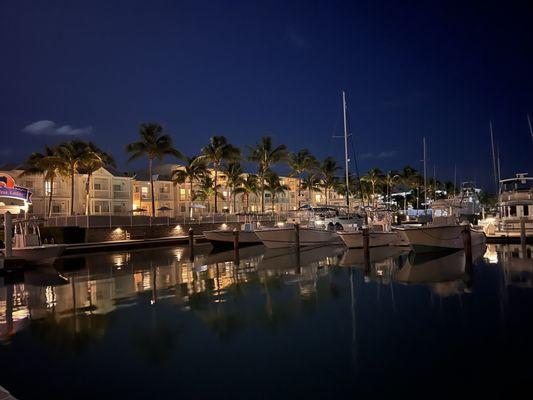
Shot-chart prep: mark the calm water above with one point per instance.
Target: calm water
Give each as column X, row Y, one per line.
column 154, row 323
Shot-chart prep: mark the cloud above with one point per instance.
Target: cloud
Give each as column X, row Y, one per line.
column 46, row 127
column 382, row 154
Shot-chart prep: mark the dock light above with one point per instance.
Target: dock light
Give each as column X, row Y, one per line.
column 280, row 224
column 178, row 228
column 117, row 230
column 224, row 226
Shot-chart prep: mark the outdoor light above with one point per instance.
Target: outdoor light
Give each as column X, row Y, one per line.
column 280, row 224
column 224, row 226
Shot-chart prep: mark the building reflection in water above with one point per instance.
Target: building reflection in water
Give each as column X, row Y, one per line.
column 108, row 282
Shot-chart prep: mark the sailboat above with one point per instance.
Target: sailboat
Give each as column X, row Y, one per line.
column 316, row 233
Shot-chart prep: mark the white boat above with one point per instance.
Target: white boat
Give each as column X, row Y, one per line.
column 225, row 237
column 439, row 236
column 276, row 238
column 29, row 247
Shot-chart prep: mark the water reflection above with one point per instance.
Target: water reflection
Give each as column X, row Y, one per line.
column 263, row 291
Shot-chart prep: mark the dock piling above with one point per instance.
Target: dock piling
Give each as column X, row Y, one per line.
column 523, row 231
column 467, row 243
column 191, row 243
column 236, row 244
column 297, row 236
column 8, row 239
column 366, row 248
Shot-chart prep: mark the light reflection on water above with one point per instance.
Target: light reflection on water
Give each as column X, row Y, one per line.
column 158, row 307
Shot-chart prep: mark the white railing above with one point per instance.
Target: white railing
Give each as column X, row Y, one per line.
column 124, row 220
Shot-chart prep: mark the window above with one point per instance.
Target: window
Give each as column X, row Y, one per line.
column 526, row 211
column 183, row 209
column 56, row 208
column 117, row 188
column 117, row 209
column 101, row 207
column 512, row 211
column 28, row 184
column 136, row 189
column 97, row 186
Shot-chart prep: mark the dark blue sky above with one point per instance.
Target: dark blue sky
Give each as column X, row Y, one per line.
column 247, row 69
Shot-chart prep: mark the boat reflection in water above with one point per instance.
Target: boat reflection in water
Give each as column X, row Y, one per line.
column 172, row 312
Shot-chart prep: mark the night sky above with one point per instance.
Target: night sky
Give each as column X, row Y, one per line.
column 244, row 69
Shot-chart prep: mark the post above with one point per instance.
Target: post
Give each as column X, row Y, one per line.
column 297, row 236
column 366, row 248
column 191, row 239
column 467, row 243
column 236, row 245
column 8, row 239
column 523, row 231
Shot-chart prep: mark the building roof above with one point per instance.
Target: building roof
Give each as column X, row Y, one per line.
column 162, row 172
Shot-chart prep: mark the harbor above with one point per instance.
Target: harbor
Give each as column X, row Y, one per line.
column 266, row 200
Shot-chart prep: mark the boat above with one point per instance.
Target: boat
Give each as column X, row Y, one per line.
column 29, row 246
column 285, row 236
column 380, row 233
column 515, row 205
column 225, row 237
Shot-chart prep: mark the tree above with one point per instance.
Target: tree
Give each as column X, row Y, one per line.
column 92, row 161
column 311, row 183
column 217, row 151
column 51, row 166
column 300, row 163
column 329, row 179
column 248, row 186
column 274, row 186
column 266, row 155
column 154, row 143
column 234, row 175
column 353, row 186
column 391, row 179
column 194, row 169
column 206, row 190
column 374, row 177
column 73, row 154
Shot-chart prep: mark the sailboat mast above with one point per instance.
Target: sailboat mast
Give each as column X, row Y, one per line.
column 493, row 158
column 346, row 150
column 425, row 178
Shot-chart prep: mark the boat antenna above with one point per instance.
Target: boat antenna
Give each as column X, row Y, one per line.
column 425, row 177
column 493, row 157
column 530, row 128
column 454, row 178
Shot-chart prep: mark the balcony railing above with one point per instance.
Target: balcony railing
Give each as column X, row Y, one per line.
column 121, row 195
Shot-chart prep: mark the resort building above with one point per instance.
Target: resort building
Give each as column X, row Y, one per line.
column 114, row 193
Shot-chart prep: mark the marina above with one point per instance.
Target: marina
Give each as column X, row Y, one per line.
column 161, row 313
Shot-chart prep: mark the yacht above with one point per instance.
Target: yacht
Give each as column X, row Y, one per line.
column 515, row 203
column 285, row 236
column 443, row 233
column 380, row 234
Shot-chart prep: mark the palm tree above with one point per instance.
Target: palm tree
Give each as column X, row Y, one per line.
column 353, row 186
column 329, row 180
column 301, row 162
column 155, row 144
column 217, row 151
column 74, row 154
column 92, row 161
column 392, row 177
column 206, row 190
column 311, row 183
column 374, row 177
column 51, row 166
column 274, row 186
column 248, row 186
column 266, row 155
column 194, row 169
column 234, row 175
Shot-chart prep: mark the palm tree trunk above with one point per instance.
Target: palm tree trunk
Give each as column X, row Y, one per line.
column 190, row 197
column 51, row 196
column 299, row 189
column 262, row 194
column 215, row 166
column 247, row 202
column 72, row 190
column 88, row 194
column 234, row 201
column 151, row 186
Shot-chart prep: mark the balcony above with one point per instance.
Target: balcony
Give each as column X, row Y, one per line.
column 101, row 194
column 121, row 195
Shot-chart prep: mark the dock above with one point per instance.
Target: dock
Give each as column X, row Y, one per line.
column 131, row 244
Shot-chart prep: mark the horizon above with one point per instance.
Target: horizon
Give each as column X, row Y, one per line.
column 245, row 70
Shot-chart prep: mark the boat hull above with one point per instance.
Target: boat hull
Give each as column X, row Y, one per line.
column 277, row 238
column 39, row 255
column 439, row 238
column 354, row 240
column 224, row 238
